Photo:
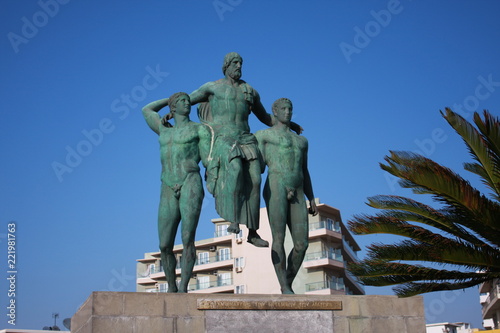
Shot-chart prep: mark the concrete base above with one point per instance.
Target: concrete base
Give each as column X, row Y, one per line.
column 108, row 312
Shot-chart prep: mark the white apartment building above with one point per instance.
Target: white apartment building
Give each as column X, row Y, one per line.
column 226, row 263
column 490, row 301
column 449, row 328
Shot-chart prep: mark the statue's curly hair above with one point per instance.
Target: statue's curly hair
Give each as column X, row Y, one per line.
column 279, row 101
column 172, row 100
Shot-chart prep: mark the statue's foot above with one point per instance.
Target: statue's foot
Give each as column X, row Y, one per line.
column 234, row 228
column 287, row 291
column 172, row 290
column 255, row 239
column 182, row 290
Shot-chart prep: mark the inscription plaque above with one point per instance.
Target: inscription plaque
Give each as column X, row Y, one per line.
column 224, row 304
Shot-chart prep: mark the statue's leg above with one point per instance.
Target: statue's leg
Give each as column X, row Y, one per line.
column 277, row 210
column 190, row 206
column 299, row 229
column 233, row 192
column 252, row 177
column 168, row 222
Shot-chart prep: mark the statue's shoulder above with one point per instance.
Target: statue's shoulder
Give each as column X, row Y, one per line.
column 264, row 132
column 302, row 140
column 211, row 85
column 266, row 135
column 246, row 86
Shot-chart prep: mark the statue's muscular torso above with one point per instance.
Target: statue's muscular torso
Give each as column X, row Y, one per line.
column 284, row 153
column 230, row 104
column 179, row 152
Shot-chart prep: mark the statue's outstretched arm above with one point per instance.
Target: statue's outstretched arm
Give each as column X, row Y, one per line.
column 201, row 94
column 259, row 110
column 150, row 113
column 205, row 144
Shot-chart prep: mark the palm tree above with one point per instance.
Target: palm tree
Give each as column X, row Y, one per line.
column 463, row 234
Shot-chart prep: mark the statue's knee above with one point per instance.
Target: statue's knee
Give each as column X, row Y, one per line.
column 165, row 249
column 302, row 246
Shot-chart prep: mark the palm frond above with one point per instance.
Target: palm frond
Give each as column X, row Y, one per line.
column 411, row 210
column 478, row 147
column 466, row 225
column 441, row 251
column 425, row 176
column 412, row 289
column 401, row 273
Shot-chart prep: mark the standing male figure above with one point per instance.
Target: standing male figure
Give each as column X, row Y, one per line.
column 233, row 175
column 181, row 148
column 288, row 180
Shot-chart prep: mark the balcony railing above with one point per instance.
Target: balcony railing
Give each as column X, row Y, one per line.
column 210, row 284
column 493, row 294
column 330, row 225
column 354, row 279
column 323, row 255
column 210, row 259
column 325, row 285
column 156, row 269
column 349, row 248
column 163, row 288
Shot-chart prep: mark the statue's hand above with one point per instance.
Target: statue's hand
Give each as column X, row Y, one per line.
column 165, row 120
column 313, row 210
column 296, row 128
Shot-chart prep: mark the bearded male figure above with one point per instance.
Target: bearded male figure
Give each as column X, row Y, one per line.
column 234, row 166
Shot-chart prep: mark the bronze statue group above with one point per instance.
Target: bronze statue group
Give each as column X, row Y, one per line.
column 234, row 160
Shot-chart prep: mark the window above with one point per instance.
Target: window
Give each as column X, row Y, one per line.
column 224, row 254
column 224, row 279
column 203, row 258
column 221, row 230
column 335, row 283
column 335, row 254
column 239, row 262
column 239, row 235
column 239, row 289
column 163, row 287
column 329, row 224
column 203, row 282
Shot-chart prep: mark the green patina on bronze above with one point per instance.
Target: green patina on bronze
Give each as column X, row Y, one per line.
column 181, row 148
column 234, row 174
column 288, row 183
column 233, row 162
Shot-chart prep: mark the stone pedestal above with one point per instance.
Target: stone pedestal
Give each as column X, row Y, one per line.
column 120, row 312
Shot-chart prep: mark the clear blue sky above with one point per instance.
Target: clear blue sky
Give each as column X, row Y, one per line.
column 365, row 77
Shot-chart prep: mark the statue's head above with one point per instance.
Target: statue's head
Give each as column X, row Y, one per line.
column 178, row 101
column 282, row 110
column 232, row 64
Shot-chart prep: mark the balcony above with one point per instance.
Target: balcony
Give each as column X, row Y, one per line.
column 323, row 258
column 221, row 285
column 209, row 262
column 325, row 228
column 491, row 302
column 348, row 248
column 329, row 225
column 354, row 280
column 326, row 288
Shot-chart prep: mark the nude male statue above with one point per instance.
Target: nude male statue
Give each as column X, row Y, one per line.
column 233, row 174
column 181, row 148
column 288, row 181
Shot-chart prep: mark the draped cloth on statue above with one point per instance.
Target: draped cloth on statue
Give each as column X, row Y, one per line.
column 228, row 143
